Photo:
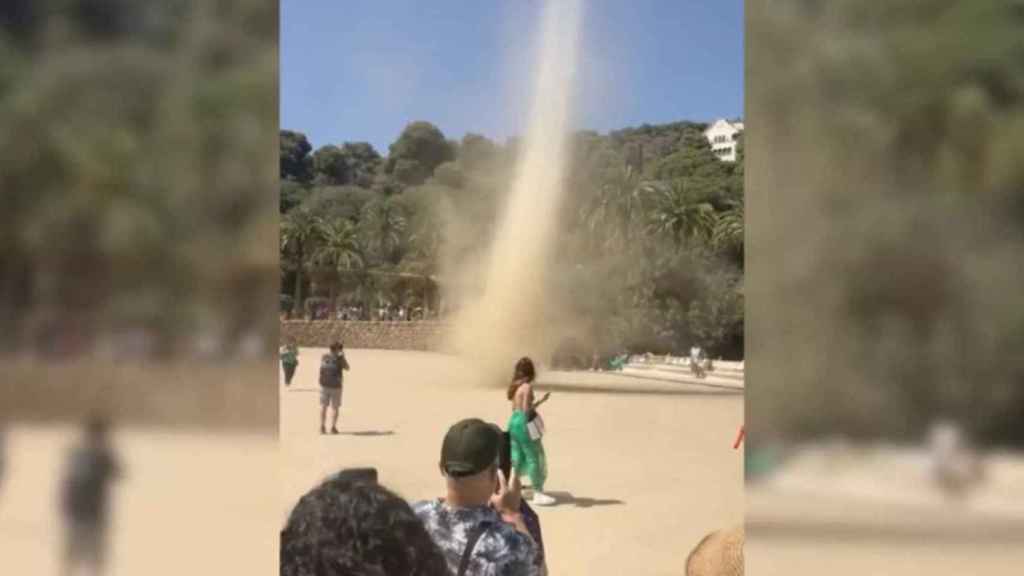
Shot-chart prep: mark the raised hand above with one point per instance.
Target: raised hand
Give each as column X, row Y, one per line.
column 508, row 499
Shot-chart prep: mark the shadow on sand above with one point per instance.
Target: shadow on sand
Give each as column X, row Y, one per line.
column 567, row 499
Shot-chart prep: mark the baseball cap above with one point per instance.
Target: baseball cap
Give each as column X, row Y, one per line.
column 469, row 447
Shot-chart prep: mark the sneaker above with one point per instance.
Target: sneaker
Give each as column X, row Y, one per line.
column 323, row 430
column 542, row 499
column 334, row 430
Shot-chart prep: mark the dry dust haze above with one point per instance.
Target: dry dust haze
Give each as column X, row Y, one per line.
column 512, row 315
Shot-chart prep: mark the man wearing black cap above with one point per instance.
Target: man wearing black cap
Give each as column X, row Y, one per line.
column 478, row 525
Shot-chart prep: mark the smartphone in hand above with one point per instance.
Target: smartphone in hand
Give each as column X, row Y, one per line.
column 505, row 455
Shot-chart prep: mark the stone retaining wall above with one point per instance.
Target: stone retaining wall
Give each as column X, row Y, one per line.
column 421, row 336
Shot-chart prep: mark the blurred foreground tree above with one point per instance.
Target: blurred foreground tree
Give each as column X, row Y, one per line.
column 886, row 233
column 138, row 171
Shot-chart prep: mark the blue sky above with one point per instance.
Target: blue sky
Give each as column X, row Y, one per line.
column 360, row 70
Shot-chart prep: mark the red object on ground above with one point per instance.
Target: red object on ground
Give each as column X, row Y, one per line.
column 740, row 437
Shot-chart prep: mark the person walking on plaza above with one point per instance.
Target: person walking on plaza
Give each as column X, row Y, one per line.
column 92, row 469
column 289, row 361
column 523, row 426
column 696, row 366
column 332, row 366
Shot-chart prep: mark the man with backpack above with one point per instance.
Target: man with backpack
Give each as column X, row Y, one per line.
column 331, row 367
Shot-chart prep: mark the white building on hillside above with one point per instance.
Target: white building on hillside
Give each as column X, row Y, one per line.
column 722, row 135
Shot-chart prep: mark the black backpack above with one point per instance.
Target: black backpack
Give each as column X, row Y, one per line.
column 330, row 371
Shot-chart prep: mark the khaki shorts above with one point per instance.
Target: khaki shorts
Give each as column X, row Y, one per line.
column 330, row 397
column 85, row 543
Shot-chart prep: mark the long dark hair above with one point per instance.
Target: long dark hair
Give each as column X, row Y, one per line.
column 524, row 372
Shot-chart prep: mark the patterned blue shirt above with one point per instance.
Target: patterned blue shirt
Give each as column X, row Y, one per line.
column 501, row 551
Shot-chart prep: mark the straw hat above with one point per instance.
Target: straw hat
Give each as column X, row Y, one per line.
column 720, row 553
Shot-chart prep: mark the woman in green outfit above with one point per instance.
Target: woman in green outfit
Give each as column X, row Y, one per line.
column 527, row 452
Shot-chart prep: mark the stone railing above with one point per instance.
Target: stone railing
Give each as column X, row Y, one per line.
column 417, row 335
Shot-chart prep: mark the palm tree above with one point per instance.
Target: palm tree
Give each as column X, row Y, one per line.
column 425, row 239
column 339, row 250
column 728, row 229
column 299, row 235
column 614, row 211
column 681, row 217
column 384, row 227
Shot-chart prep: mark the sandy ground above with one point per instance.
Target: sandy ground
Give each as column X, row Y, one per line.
column 642, row 469
column 191, row 503
column 801, row 534
column 811, row 556
column 873, row 511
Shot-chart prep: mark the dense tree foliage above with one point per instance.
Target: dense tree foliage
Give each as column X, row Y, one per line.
column 651, row 247
column 418, row 151
column 296, row 163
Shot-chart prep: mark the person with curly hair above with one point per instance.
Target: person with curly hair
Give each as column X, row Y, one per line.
column 347, row 526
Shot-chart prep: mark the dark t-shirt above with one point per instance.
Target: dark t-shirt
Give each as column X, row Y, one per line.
column 91, row 472
column 500, row 551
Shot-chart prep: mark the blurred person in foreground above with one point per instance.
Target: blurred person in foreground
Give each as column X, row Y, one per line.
column 479, row 525
column 718, row 554
column 289, row 361
column 3, row 455
column 348, row 525
column 956, row 467
column 528, row 453
column 332, row 366
column 85, row 499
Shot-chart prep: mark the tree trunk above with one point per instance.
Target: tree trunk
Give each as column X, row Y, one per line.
column 333, row 295
column 426, row 301
column 297, row 301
